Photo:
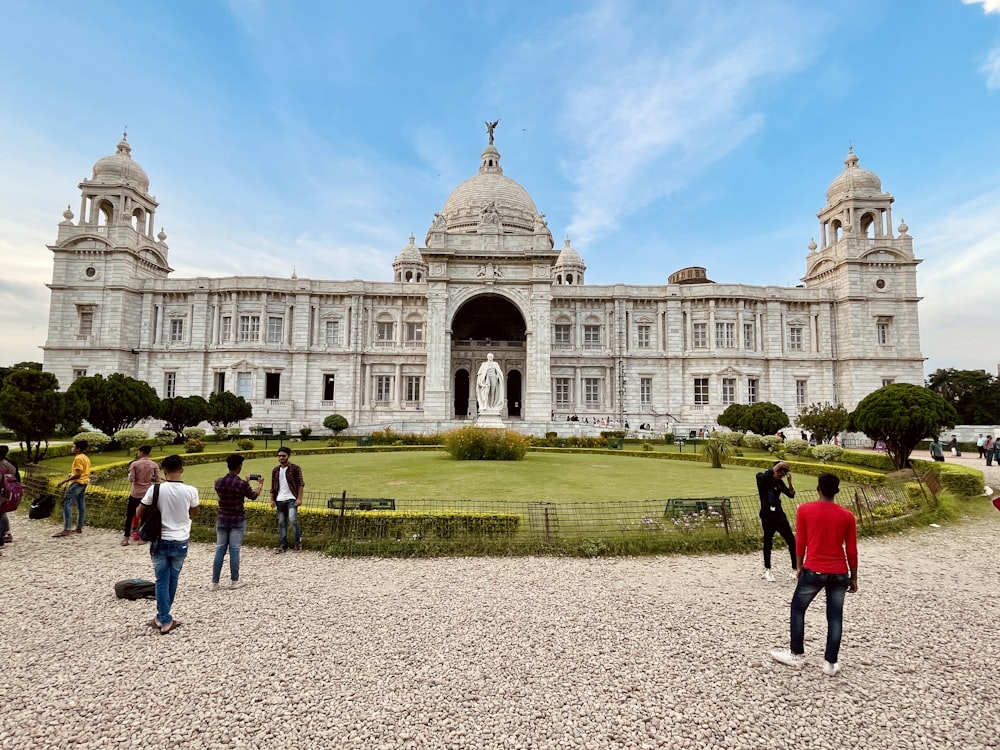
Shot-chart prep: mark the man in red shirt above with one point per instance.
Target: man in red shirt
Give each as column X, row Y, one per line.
column 826, row 546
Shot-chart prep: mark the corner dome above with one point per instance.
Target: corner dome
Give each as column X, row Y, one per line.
column 409, row 253
column 120, row 168
column 568, row 256
column 853, row 182
column 466, row 204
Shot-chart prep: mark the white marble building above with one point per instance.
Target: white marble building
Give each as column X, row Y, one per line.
column 487, row 278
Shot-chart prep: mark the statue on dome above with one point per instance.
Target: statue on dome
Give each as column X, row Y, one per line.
column 439, row 224
column 540, row 224
column 489, row 386
column 490, row 215
column 490, row 127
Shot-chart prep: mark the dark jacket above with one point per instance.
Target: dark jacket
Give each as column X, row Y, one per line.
column 770, row 489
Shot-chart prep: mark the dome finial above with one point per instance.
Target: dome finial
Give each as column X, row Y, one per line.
column 490, row 127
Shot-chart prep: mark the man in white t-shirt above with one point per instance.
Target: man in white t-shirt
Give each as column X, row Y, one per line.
column 177, row 502
column 287, row 485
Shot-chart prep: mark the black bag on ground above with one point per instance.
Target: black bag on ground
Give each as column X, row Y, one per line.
column 42, row 507
column 152, row 521
column 135, row 588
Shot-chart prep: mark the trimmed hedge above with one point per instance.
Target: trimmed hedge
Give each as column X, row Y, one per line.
column 961, row 480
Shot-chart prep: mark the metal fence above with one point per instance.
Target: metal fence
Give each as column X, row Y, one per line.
column 350, row 525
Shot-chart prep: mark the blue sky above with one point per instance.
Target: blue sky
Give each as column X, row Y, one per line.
column 316, row 136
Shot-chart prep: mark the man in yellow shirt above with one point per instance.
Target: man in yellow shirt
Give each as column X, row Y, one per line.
column 78, row 480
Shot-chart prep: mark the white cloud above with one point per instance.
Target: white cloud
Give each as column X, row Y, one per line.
column 989, row 6
column 991, row 68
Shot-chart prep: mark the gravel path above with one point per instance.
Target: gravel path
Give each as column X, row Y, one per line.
column 483, row 653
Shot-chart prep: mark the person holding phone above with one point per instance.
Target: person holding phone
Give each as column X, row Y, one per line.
column 770, row 487
column 231, row 524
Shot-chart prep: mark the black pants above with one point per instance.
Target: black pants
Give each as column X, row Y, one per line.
column 133, row 506
column 777, row 523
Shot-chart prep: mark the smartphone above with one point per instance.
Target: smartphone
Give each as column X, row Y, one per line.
column 255, row 477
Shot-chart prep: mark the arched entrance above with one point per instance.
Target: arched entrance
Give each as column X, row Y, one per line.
column 514, row 393
column 461, row 391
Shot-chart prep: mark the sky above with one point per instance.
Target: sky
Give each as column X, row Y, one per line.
column 314, row 137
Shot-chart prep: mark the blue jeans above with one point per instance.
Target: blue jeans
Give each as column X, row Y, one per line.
column 811, row 583
column 168, row 559
column 287, row 512
column 75, row 495
column 228, row 534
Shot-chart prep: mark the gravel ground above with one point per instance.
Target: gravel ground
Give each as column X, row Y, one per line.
column 483, row 653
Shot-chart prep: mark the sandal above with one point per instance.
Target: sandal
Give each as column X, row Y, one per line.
column 154, row 623
column 64, row 532
column 170, row 627
column 125, row 542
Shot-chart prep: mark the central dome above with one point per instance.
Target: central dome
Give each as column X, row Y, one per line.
column 466, row 204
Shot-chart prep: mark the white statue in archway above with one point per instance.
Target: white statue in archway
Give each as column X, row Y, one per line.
column 489, row 386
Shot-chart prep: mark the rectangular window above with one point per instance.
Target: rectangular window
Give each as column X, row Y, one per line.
column 77, row 374
column 249, row 328
column 328, row 391
column 176, row 329
column 645, row 391
column 220, row 382
column 642, row 336
column 383, row 387
column 725, row 335
column 592, row 391
column 243, row 384
column 274, row 332
column 383, row 333
column 749, row 337
column 701, row 391
column 800, row 394
column 888, row 381
column 86, row 322
column 728, row 391
column 795, row 339
column 699, row 336
column 562, row 396
column 169, row 384
column 591, row 337
column 562, row 336
column 882, row 333
column 272, row 385
column 414, row 335
column 411, row 386
column 753, row 390
column 227, row 328
column 333, row 333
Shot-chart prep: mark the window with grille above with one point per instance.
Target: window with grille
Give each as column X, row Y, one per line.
column 749, row 337
column 643, row 336
column 249, row 328
column 411, row 387
column 800, row 393
column 795, row 338
column 699, row 336
column 591, row 336
column 169, row 384
column 243, row 384
column 220, row 382
column 753, row 389
column 725, row 335
column 328, row 387
column 383, row 387
column 592, row 391
column 882, row 330
column 414, row 334
column 227, row 327
column 383, row 332
column 274, row 329
column 562, row 391
column 646, row 391
column 701, row 391
column 86, row 322
column 333, row 333
column 176, row 329
column 728, row 391
column 77, row 374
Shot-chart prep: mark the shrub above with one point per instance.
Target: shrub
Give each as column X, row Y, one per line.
column 336, row 423
column 195, row 433
column 225, row 433
column 827, row 452
column 647, row 446
column 770, row 442
column 334, row 443
column 717, row 451
column 194, row 445
column 245, row 444
column 477, row 444
column 305, row 431
column 95, row 440
column 165, row 437
column 796, row 446
column 735, row 439
column 131, row 438
column 751, row 440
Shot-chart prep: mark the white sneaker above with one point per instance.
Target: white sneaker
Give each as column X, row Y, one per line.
column 237, row 584
column 214, row 587
column 830, row 669
column 785, row 656
column 768, row 575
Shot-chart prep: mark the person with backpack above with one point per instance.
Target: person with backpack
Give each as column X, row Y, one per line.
column 142, row 473
column 10, row 483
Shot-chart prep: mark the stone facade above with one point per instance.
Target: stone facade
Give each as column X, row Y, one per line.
column 487, row 279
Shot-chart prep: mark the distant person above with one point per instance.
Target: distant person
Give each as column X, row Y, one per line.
column 954, row 446
column 177, row 502
column 6, row 467
column 770, row 488
column 979, row 444
column 231, row 523
column 76, row 493
column 287, row 486
column 142, row 473
column 988, row 449
column 827, row 552
column 936, row 449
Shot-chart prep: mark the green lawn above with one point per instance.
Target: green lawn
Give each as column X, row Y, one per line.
column 542, row 476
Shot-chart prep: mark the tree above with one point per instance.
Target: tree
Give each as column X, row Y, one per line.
column 33, row 408
column 902, row 415
column 228, row 408
column 184, row 411
column 824, row 421
column 732, row 417
column 336, row 423
column 764, row 418
column 116, row 402
column 975, row 394
column 5, row 371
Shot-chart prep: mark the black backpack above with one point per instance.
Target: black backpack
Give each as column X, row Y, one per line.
column 135, row 588
column 42, row 507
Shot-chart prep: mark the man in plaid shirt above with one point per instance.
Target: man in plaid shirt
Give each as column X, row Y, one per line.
column 231, row 524
column 287, row 486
